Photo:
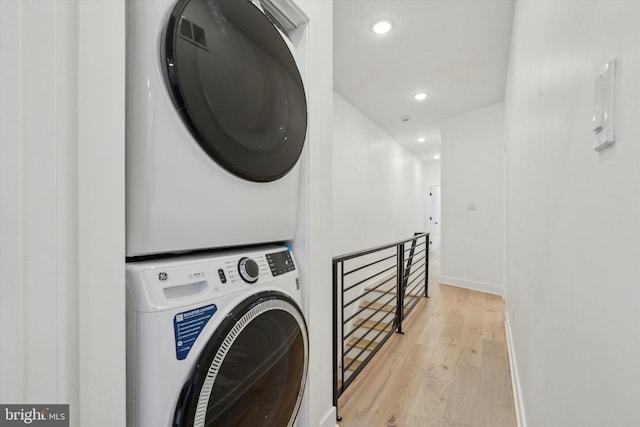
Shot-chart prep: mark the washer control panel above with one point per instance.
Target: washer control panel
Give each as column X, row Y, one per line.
column 251, row 269
column 160, row 284
column 280, row 262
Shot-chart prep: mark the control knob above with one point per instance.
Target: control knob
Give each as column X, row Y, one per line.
column 248, row 270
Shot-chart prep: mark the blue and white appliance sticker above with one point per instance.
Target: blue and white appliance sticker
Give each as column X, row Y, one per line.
column 187, row 327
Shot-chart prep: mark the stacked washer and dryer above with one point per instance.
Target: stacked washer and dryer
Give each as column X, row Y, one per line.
column 216, row 123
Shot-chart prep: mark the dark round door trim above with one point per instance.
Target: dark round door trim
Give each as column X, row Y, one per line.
column 236, row 86
column 193, row 402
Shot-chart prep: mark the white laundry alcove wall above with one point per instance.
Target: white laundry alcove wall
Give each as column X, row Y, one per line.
column 62, row 207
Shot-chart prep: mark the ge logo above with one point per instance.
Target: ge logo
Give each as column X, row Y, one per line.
column 163, row 276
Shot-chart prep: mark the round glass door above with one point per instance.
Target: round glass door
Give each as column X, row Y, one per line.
column 236, row 85
column 252, row 372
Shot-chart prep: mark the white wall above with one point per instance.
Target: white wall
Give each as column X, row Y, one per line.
column 62, row 326
column 472, row 173
column 572, row 287
column 378, row 187
column 312, row 245
column 431, row 174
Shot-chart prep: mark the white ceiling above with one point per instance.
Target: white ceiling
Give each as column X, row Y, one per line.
column 456, row 50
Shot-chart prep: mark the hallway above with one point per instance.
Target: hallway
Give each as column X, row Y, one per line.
column 450, row 369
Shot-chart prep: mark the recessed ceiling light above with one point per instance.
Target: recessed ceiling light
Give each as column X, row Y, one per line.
column 422, row 139
column 420, row 96
column 437, row 156
column 382, row 27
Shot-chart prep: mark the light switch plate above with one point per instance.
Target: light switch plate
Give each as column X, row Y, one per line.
column 604, row 106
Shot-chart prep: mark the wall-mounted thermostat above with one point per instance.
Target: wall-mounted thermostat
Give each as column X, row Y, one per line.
column 604, row 103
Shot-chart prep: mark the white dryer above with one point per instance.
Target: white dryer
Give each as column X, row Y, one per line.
column 217, row 340
column 216, row 120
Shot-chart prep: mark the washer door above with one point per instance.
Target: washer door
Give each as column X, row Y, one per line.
column 253, row 370
column 236, row 85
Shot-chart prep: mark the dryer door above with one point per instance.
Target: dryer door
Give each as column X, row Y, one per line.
column 252, row 372
column 236, row 85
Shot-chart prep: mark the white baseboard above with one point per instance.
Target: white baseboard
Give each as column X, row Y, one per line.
column 521, row 419
column 329, row 420
column 490, row 288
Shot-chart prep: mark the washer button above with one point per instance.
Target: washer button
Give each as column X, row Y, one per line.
column 223, row 278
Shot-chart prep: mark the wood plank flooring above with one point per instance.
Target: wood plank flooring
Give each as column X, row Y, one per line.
column 449, row 369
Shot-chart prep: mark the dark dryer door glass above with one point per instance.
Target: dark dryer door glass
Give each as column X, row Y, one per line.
column 237, row 86
column 252, row 371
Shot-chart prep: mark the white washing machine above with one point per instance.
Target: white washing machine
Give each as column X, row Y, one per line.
column 216, row 121
column 217, row 340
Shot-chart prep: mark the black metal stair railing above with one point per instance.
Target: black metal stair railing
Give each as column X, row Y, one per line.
column 374, row 290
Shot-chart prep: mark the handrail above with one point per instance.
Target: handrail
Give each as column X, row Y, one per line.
column 348, row 256
column 363, row 321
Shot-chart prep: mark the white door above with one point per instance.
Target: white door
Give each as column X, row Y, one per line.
column 434, row 217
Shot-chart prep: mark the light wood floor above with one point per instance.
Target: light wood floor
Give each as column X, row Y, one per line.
column 450, row 369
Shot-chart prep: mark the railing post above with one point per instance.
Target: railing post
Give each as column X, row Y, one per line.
column 400, row 287
column 426, row 267
column 335, row 335
column 342, row 370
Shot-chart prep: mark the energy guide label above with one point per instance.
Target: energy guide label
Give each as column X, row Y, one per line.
column 187, row 327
